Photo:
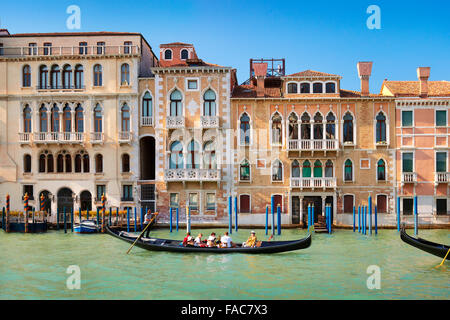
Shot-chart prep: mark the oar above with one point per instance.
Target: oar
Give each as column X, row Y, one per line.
column 444, row 259
column 148, row 225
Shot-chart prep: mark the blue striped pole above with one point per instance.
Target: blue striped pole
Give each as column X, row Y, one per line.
column 110, row 215
column 135, row 219
column 65, row 221
column 177, row 219
column 273, row 215
column 278, row 219
column 330, row 218
column 267, row 219
column 128, row 219
column 359, row 219
column 309, row 216
column 370, row 215
column 142, row 218
column 312, row 216
column 98, row 216
column 376, row 221
column 230, row 214
column 354, row 217
column 236, row 214
column 171, row 218
column 188, row 218
column 416, row 220
column 398, row 214
column 363, row 210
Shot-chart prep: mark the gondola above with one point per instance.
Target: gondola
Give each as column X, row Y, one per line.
column 436, row 249
column 156, row 244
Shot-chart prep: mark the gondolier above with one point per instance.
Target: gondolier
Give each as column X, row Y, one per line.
column 147, row 220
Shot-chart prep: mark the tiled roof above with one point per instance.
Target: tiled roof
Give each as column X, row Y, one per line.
column 53, row 34
column 412, row 88
column 249, row 91
column 312, row 73
column 176, row 44
column 169, row 64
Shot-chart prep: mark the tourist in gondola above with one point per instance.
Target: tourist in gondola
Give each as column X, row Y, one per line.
column 211, row 240
column 251, row 241
column 188, row 239
column 226, row 241
column 198, row 242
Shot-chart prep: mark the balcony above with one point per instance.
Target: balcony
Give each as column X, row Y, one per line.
column 25, row 137
column 209, row 122
column 442, row 177
column 59, row 137
column 15, row 52
column 126, row 199
column 313, row 145
column 409, row 177
column 202, row 175
column 146, row 121
column 313, row 183
column 60, row 88
column 125, row 137
column 175, row 122
column 96, row 137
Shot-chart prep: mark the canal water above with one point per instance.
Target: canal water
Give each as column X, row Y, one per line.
column 33, row 266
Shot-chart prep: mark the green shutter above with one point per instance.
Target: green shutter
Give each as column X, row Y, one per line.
column 407, row 162
column 441, row 118
column 407, row 118
column 441, row 162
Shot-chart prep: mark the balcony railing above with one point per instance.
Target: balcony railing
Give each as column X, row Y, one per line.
column 409, row 177
column 96, row 137
column 442, row 177
column 125, row 137
column 192, row 175
column 70, row 51
column 209, row 121
column 24, row 137
column 60, row 87
column 175, row 122
column 313, row 183
column 59, row 137
column 313, row 145
column 146, row 121
column 126, row 199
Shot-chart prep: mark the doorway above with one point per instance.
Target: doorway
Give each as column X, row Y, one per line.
column 147, row 158
column 317, row 203
column 65, row 200
column 86, row 201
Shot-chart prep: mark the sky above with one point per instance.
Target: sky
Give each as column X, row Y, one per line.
column 326, row 36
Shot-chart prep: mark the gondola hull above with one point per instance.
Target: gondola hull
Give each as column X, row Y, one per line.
column 155, row 244
column 437, row 249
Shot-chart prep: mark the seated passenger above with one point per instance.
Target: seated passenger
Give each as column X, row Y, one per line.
column 211, row 240
column 198, row 241
column 251, row 241
column 186, row 239
column 226, row 241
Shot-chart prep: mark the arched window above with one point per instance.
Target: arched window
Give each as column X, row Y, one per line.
column 381, row 170
column 306, row 172
column 98, row 126
column 305, row 87
column 209, row 155
column 27, row 119
column 98, row 81
column 209, row 104
column 55, row 77
column 78, row 162
column 147, row 110
column 292, row 88
column 331, row 126
column 317, row 169
column 175, row 104
column 125, row 118
column 27, row 163
column 348, row 127
column 79, row 119
column 295, row 172
column 86, row 166
column 277, row 136
column 381, row 127
column 348, row 170
column 68, row 163
column 79, row 78
column 55, row 119
column 176, row 155
column 125, row 74
column 184, row 54
column 330, row 87
column 245, row 129
column 26, row 76
column 67, row 77
column 42, row 163
column 193, row 157
column 43, row 119
column 244, row 171
column 348, row 203
column 125, row 162
column 60, row 163
column 67, row 119
column 98, row 163
column 43, row 77
column 306, row 126
column 293, row 126
column 329, row 169
column 50, row 163
column 168, row 54
column 318, row 126
column 317, row 87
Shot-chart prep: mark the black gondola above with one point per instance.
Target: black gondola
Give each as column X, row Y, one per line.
column 155, row 244
column 436, row 249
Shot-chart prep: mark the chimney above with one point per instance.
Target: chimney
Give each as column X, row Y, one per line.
column 364, row 72
column 423, row 73
column 260, row 74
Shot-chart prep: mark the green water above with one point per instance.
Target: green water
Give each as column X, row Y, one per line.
column 334, row 267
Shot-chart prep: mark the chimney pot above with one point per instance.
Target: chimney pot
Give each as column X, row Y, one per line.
column 423, row 73
column 260, row 73
column 364, row 72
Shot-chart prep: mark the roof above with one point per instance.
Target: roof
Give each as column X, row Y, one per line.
column 173, row 44
column 312, row 73
column 187, row 63
column 74, row 34
column 412, row 88
column 249, row 91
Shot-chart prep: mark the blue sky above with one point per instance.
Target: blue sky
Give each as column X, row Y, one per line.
column 327, row 36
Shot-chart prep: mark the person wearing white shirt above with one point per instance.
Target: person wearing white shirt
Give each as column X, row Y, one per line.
column 226, row 240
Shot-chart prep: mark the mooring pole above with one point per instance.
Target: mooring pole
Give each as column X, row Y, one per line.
column 7, row 213
column 171, row 218
column 230, row 214
column 188, row 218
column 80, row 214
column 65, row 220
column 142, row 218
column 98, row 216
column 267, row 219
column 354, row 216
column 312, row 216
column 25, row 211
column 278, row 219
column 235, row 214
column 273, row 215
column 370, row 215
column 71, row 219
column 359, row 218
column 309, row 216
column 376, row 221
column 128, row 219
column 3, row 219
column 110, row 216
column 177, row 217
column 117, row 216
column 398, row 214
column 135, row 219
column 416, row 218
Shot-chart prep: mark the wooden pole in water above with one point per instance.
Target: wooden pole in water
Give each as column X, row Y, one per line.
column 278, row 219
column 65, row 220
column 376, row 221
column 128, row 219
column 398, row 214
column 267, row 219
column 25, row 211
column 359, row 219
column 103, row 212
column 188, row 218
column 177, row 218
column 230, row 214
column 57, row 218
column 71, row 219
column 171, row 216
column 98, row 216
column 309, row 216
column 117, row 216
column 370, row 215
column 416, row 218
column 235, row 214
column 142, row 219
column 135, row 217
column 354, row 217
column 272, row 203
column 3, row 219
column 7, row 213
column 110, row 215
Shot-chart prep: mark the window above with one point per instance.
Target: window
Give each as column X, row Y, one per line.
column 317, row 87
column 125, row 163
column 98, row 163
column 348, row 128
column 317, row 169
column 125, row 118
column 209, row 155
column 127, row 192
column 26, row 76
column 55, row 77
column 210, row 201
column 381, row 203
column 98, row 119
column 176, row 155
column 55, row 118
column 381, row 170
column 175, row 104
column 127, row 47
column 381, row 127
column 79, row 78
column 407, row 118
column 331, row 126
column 441, row 118
column 318, row 126
column 407, row 161
column 83, row 47
column 329, row 169
column 27, row 163
column 306, row 170
column 86, row 163
column 193, row 156
column 245, row 129
column 244, row 171
column 47, row 49
column 101, row 190
column 32, row 49
column 348, row 170
column 277, row 136
column 79, row 119
column 441, row 206
column 147, row 105
column 174, row 200
column 330, row 87
column 50, row 163
column 125, row 74
column 43, row 119
column 168, row 54
column 77, row 163
column 244, row 203
column 1, row 49
column 68, row 163
column 28, row 189
column 42, row 163
column 348, row 203
column 305, row 87
column 408, row 204
column 100, row 47
column 67, row 77
column 293, row 126
column 192, row 84
column 209, row 104
column 292, row 88
column 306, row 126
column 193, row 201
column 277, row 171
column 43, row 77
column 441, row 161
column 295, row 172
column 98, row 82
column 27, row 118
column 60, row 163
column 67, row 119
column 184, row 54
